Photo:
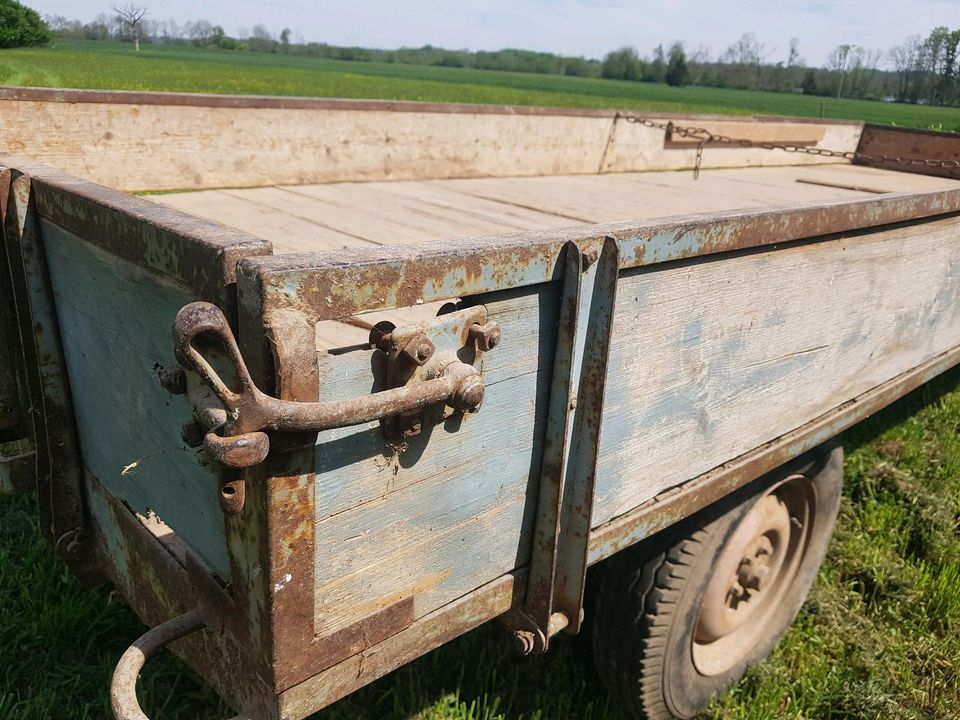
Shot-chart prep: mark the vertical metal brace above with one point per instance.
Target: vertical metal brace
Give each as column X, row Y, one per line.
column 558, row 562
column 57, row 462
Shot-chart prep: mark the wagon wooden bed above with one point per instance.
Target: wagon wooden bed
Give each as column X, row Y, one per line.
column 479, row 350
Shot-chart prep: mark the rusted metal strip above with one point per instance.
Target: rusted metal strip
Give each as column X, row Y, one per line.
column 558, row 562
column 597, row 305
column 427, row 633
column 337, row 284
column 59, row 468
column 696, row 494
column 13, row 427
column 193, row 252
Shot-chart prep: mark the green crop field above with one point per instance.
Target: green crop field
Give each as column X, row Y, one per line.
column 115, row 66
column 878, row 638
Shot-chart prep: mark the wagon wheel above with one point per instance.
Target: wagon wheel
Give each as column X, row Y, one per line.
column 682, row 616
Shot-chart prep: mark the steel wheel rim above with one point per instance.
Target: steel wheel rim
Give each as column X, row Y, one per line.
column 752, row 575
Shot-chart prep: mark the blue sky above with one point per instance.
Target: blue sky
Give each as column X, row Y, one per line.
column 573, row 27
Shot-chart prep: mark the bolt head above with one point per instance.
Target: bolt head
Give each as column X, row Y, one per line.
column 419, row 350
column 469, row 395
column 523, row 641
column 487, row 335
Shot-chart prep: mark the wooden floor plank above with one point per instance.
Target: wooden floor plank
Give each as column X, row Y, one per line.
column 308, row 218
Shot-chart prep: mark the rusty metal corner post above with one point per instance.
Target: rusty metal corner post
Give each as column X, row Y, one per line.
column 59, row 467
column 558, row 562
column 17, row 455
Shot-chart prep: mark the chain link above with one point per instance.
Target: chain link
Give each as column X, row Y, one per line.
column 705, row 136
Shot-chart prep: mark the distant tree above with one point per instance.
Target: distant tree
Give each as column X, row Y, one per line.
column 839, row 62
column 261, row 40
column 131, row 16
column 21, row 26
column 200, row 32
column 658, row 68
column 794, row 59
column 677, row 72
column 285, row 39
column 809, row 84
column 622, row 64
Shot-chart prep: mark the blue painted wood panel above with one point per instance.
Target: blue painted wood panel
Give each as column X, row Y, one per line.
column 715, row 357
column 115, row 320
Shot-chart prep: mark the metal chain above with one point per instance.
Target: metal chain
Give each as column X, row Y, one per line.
column 705, row 136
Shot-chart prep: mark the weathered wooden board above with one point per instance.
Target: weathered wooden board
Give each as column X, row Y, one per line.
column 442, row 515
column 910, row 143
column 115, row 321
column 713, row 358
column 322, row 217
column 170, row 141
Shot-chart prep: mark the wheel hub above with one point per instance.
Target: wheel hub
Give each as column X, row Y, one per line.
column 751, row 575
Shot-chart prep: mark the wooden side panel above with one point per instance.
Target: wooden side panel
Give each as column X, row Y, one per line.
column 154, row 146
column 115, row 320
column 450, row 509
column 909, row 143
column 712, row 358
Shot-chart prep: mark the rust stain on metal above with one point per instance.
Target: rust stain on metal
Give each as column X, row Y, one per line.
column 158, row 588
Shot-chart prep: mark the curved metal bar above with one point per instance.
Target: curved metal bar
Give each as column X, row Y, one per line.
column 123, row 687
column 205, row 344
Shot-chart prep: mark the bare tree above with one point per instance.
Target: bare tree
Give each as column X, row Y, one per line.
column 132, row 16
column 794, row 60
column 838, row 62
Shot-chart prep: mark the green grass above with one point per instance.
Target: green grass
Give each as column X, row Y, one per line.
column 878, row 637
column 115, row 66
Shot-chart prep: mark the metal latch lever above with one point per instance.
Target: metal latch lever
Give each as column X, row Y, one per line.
column 205, row 344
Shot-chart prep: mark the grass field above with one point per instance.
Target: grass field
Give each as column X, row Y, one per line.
column 878, row 638
column 115, row 66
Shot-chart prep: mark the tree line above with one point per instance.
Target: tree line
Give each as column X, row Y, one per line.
column 920, row 70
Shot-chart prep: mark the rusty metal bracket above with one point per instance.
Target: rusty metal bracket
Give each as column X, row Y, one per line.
column 558, row 562
column 204, row 343
column 123, row 686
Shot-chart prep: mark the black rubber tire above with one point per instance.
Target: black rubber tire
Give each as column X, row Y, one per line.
column 647, row 598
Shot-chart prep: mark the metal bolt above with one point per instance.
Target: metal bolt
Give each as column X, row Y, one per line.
column 524, row 641
column 487, row 335
column 419, row 349
column 469, row 396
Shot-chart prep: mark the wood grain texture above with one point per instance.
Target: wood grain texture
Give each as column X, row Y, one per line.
column 451, row 508
column 115, row 320
column 713, row 358
column 152, row 146
column 344, row 215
